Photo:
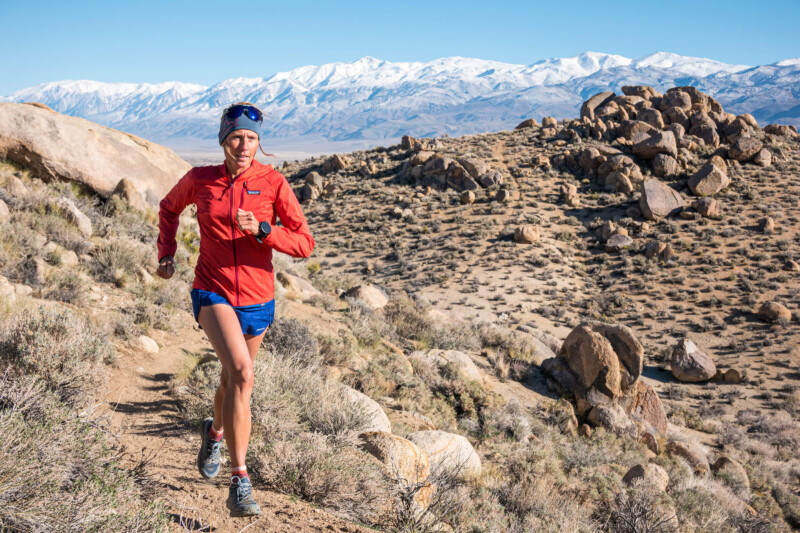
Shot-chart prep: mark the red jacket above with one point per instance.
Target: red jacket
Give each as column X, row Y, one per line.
column 233, row 263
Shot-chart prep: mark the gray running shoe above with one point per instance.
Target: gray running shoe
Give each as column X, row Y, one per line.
column 240, row 498
column 208, row 459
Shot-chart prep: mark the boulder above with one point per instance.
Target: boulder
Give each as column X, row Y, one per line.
column 55, row 146
column 493, row 178
column 475, row 167
column 335, row 163
column 549, row 122
column 448, row 452
column 403, row 460
column 652, row 474
column 371, row 296
column 763, row 158
column 376, row 418
column 314, row 179
column 766, row 225
column 467, row 197
column 300, row 287
column 642, row 91
column 529, row 123
column 658, row 200
column 526, row 234
column 460, row 360
column 665, row 165
column 642, row 403
column 5, row 214
column 731, row 471
column 781, row 130
column 126, row 190
column 690, row 363
column 618, row 242
column 678, row 99
column 651, row 116
column 659, row 142
column 692, row 454
column 420, row 158
column 744, row 149
column 709, row 180
column 591, row 358
column 598, row 100
column 774, row 312
column 73, row 214
column 628, row 128
column 707, row 207
column 612, row 417
column 407, row 142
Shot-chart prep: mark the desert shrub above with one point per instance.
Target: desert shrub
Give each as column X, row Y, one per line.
column 118, row 260
column 59, row 473
column 642, row 508
column 65, row 350
column 66, row 286
column 290, row 339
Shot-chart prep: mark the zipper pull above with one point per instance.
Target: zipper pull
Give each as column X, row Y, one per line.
column 230, row 186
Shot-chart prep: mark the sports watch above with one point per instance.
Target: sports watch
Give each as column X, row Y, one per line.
column 264, row 229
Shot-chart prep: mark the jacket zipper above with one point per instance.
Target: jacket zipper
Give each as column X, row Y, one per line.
column 233, row 241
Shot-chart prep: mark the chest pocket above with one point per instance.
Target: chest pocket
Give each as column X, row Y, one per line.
column 256, row 198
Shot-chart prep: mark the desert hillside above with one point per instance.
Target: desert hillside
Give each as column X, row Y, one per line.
column 584, row 325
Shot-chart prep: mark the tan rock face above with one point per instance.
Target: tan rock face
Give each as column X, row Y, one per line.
column 376, row 417
column 692, row 454
column 612, row 417
column 526, row 234
column 709, row 180
column 744, row 149
column 402, row 459
column 732, row 471
column 649, row 473
column 643, row 403
column 589, row 106
column 659, row 142
column 690, row 363
column 549, row 122
column 372, row 296
column 659, row 200
column 448, row 452
column 56, row 146
column 301, row 288
column 529, row 123
column 591, row 357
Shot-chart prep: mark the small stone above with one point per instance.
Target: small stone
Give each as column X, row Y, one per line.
column 147, row 345
column 707, row 207
column 506, row 195
column 766, row 225
column 618, row 242
column 526, row 234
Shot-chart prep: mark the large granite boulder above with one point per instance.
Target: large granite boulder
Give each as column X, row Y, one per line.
column 448, row 452
column 56, row 146
column 659, row 200
column 690, row 363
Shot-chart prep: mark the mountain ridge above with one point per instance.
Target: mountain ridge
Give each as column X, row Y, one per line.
column 372, row 100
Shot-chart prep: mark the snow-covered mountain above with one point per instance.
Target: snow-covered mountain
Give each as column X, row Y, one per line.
column 370, row 101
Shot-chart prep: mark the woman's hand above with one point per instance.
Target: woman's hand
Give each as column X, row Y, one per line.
column 247, row 221
column 166, row 267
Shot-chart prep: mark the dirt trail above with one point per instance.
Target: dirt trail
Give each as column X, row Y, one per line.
column 144, row 415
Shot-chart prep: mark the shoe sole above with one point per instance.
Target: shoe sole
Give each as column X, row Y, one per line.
column 203, row 443
column 242, row 514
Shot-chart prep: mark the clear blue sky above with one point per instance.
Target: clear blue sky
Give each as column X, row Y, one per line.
column 206, row 42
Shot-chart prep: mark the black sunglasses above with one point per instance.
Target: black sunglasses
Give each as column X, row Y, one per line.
column 239, row 110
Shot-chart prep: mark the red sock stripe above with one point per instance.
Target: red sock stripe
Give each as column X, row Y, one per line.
column 214, row 435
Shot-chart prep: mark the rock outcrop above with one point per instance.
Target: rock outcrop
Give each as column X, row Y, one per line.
column 55, row 146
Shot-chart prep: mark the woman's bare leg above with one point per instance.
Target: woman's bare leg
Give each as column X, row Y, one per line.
column 253, row 344
column 236, row 353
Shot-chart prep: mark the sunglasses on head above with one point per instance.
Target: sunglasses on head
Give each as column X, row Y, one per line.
column 239, row 110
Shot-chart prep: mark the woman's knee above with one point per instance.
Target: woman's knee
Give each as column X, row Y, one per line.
column 242, row 377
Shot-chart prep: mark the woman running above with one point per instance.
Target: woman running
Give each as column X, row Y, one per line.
column 238, row 204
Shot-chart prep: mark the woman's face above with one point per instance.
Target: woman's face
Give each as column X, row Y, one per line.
column 240, row 150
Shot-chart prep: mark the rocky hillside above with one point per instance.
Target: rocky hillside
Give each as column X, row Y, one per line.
column 583, row 325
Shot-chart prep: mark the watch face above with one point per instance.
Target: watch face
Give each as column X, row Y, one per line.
column 265, row 228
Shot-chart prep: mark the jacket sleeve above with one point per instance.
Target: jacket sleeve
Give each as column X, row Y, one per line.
column 294, row 238
column 170, row 209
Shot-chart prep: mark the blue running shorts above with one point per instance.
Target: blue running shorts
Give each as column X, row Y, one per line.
column 254, row 319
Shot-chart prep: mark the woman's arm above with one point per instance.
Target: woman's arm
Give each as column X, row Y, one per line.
column 294, row 238
column 170, row 209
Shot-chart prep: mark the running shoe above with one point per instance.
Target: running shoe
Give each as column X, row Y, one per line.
column 240, row 498
column 208, row 458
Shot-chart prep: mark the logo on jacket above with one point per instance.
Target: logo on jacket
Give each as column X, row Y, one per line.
column 253, row 192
